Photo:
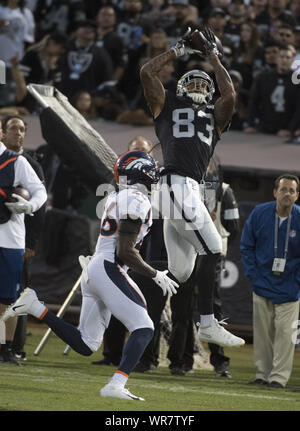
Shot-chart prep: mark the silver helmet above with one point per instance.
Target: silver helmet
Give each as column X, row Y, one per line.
column 197, row 85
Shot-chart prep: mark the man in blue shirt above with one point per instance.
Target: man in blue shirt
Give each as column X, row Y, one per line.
column 270, row 246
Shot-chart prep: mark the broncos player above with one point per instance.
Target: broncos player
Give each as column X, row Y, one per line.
column 106, row 287
column 188, row 127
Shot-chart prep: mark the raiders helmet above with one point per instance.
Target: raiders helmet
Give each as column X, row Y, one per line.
column 197, row 85
column 137, row 167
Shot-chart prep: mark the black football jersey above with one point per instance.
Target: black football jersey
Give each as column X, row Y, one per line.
column 187, row 134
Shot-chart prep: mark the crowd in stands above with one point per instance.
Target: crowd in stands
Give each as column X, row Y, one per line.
column 92, row 51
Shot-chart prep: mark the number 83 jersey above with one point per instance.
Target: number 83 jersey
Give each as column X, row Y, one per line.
column 187, row 135
column 121, row 205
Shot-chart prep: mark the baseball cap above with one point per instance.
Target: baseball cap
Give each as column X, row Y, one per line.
column 217, row 11
column 181, row 2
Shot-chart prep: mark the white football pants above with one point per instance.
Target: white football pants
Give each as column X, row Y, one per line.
column 109, row 290
column 188, row 227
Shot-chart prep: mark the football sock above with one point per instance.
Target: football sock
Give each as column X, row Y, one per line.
column 134, row 348
column 67, row 332
column 206, row 319
column 119, row 378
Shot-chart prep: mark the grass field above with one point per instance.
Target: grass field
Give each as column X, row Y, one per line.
column 54, row 382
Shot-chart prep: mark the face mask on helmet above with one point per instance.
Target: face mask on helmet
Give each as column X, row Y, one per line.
column 136, row 167
column 196, row 85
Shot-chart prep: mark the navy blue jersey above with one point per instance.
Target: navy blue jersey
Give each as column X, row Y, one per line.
column 187, row 135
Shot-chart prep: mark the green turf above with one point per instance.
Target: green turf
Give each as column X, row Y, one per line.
column 54, row 382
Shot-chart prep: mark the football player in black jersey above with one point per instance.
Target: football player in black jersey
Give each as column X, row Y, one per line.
column 188, row 127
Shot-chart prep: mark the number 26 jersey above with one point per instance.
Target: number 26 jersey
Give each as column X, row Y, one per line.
column 187, row 135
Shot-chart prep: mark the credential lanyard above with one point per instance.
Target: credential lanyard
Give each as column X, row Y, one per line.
column 286, row 237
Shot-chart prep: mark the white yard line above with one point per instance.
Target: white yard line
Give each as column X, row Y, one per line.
column 220, row 393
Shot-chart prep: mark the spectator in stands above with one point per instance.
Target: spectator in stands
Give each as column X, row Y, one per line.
column 238, row 15
column 249, row 53
column 109, row 102
column 139, row 114
column 84, row 66
column 180, row 10
column 217, row 22
column 16, row 171
column 296, row 64
column 271, row 52
column 157, row 11
column 295, row 10
column 107, row 37
column 58, row 15
column 38, row 66
column 158, row 43
column 270, row 247
column 13, row 29
column 274, row 105
column 239, row 116
column 278, row 10
column 285, row 35
column 258, row 14
column 83, row 102
column 134, row 28
column 21, row 6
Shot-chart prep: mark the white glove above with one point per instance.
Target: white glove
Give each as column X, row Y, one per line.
column 182, row 46
column 19, row 207
column 84, row 261
column 165, row 282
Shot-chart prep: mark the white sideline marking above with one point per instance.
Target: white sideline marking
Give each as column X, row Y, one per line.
column 220, row 393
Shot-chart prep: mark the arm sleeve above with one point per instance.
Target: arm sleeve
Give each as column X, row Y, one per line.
column 27, row 178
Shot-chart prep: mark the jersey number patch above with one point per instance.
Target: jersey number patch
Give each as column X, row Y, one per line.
column 109, row 226
column 184, row 125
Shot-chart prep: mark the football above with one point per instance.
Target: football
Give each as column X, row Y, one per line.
column 198, row 44
column 19, row 190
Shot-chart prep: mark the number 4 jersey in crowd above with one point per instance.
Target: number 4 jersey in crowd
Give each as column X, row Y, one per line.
column 187, row 135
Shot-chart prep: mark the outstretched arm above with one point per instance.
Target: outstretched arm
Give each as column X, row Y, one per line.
column 225, row 104
column 153, row 89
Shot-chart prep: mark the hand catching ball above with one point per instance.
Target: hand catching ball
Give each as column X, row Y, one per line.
column 198, row 42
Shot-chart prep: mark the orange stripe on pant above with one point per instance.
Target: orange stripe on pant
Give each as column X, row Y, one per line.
column 123, row 374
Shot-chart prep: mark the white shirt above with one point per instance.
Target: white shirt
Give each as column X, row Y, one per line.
column 13, row 36
column 12, row 233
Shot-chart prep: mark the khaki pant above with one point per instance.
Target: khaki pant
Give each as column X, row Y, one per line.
column 274, row 327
